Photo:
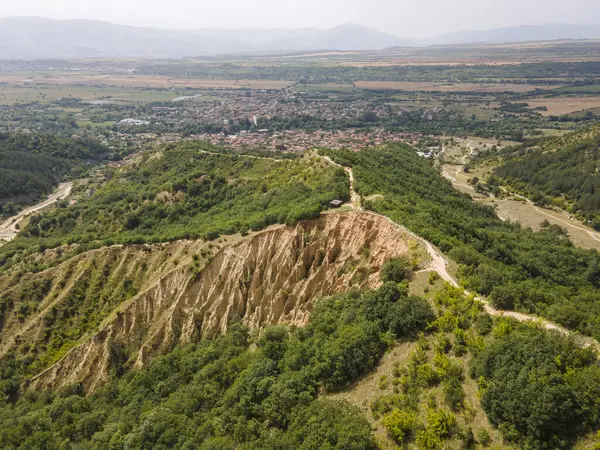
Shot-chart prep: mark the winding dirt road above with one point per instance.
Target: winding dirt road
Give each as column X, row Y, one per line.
column 592, row 234
column 355, row 200
column 439, row 264
column 8, row 229
column 454, row 177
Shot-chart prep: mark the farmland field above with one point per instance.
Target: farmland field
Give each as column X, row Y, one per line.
column 12, row 94
column 143, row 81
column 586, row 89
column 447, row 87
column 565, row 105
column 323, row 87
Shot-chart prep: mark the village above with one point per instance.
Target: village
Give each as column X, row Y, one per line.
column 265, row 120
column 227, row 107
column 288, row 140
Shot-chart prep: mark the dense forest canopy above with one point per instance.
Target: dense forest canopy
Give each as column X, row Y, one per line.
column 32, row 164
column 539, row 387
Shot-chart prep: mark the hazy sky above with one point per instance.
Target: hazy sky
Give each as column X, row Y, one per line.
column 405, row 18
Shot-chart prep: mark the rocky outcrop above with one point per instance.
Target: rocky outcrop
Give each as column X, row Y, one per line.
column 271, row 277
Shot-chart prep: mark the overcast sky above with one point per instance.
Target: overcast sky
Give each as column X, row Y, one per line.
column 404, row 18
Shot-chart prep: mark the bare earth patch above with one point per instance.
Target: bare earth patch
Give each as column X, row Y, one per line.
column 565, row 105
column 447, row 87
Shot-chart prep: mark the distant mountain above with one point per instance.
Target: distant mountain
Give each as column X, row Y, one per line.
column 32, row 38
column 517, row 34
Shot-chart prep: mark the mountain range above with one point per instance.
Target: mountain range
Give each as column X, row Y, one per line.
column 32, row 38
column 36, row 38
column 517, row 34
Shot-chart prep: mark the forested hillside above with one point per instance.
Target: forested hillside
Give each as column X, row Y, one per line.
column 560, row 171
column 265, row 390
column 539, row 273
column 183, row 192
column 32, row 164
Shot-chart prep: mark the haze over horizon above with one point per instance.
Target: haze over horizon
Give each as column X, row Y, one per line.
column 403, row 18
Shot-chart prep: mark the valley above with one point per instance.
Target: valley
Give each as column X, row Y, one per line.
column 10, row 227
column 513, row 207
column 347, row 249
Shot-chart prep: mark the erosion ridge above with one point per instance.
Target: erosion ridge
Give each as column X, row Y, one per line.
column 271, row 277
column 87, row 285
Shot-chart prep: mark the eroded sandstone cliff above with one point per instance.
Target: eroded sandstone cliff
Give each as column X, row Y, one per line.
column 270, row 277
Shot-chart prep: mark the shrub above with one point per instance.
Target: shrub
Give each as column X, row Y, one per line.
column 329, row 424
column 442, row 423
column 484, row 438
column 396, row 270
column 454, row 394
column 433, row 277
column 400, row 424
column 383, row 383
column 426, row 375
column 388, row 403
column 428, row 440
column 483, row 324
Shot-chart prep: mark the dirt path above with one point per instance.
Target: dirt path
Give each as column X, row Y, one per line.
column 577, row 230
column 593, row 235
column 355, row 199
column 439, row 264
column 454, row 177
column 8, row 229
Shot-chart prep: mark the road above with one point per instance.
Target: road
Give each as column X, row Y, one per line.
column 8, row 229
column 355, row 200
column 592, row 234
column 569, row 223
column 439, row 264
